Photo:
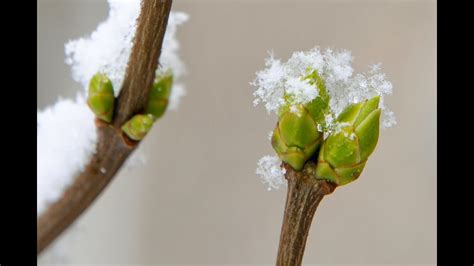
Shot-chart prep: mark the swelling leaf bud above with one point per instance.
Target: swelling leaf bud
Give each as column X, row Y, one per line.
column 101, row 98
column 159, row 94
column 296, row 138
column 138, row 126
column 344, row 153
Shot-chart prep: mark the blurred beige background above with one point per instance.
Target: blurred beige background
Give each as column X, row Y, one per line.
column 198, row 200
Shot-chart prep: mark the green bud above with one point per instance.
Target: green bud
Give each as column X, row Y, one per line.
column 101, row 98
column 159, row 94
column 319, row 106
column 343, row 155
column 137, row 127
column 296, row 138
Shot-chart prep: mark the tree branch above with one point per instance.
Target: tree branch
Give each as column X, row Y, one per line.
column 303, row 197
column 113, row 147
column 140, row 74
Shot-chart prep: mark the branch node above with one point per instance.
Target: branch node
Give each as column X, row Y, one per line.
column 128, row 141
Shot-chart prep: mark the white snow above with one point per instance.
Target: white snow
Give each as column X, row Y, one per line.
column 66, row 140
column 108, row 48
column 335, row 67
column 270, row 83
column 301, row 90
column 270, row 171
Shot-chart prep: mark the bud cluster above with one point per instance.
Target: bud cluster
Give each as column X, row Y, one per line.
column 342, row 155
column 326, row 114
column 101, row 101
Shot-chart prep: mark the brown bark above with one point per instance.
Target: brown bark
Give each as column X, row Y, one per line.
column 140, row 74
column 113, row 147
column 303, row 197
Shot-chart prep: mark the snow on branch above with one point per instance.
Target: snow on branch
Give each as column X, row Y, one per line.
column 66, row 140
column 108, row 48
column 270, row 171
column 67, row 136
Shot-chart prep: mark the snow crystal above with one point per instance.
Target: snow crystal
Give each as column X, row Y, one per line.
column 270, row 171
column 283, row 83
column 66, row 139
column 337, row 66
column 301, row 91
column 108, row 48
column 270, row 85
column 300, row 62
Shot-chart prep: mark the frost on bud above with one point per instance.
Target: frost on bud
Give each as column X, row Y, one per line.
column 159, row 94
column 101, row 98
column 138, row 126
column 296, row 138
column 343, row 154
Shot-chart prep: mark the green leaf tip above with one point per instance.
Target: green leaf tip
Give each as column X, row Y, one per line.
column 100, row 97
column 138, row 126
column 343, row 154
column 159, row 95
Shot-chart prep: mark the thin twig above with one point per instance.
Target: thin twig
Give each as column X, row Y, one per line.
column 113, row 147
column 303, row 197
